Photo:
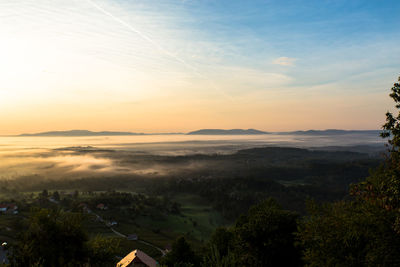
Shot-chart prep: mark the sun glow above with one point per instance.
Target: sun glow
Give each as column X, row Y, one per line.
column 155, row 67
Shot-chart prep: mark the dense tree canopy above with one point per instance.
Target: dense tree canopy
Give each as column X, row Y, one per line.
column 265, row 237
column 349, row 233
column 181, row 255
column 56, row 238
column 383, row 186
column 262, row 237
column 53, row 238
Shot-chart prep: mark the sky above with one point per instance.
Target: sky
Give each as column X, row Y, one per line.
column 181, row 65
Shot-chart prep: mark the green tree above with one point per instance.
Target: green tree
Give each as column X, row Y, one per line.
column 221, row 249
column 44, row 193
column 56, row 238
column 215, row 259
column 102, row 251
column 53, row 238
column 181, row 255
column 383, row 186
column 266, row 236
column 349, row 233
column 76, row 194
column 223, row 240
column 56, row 196
column 391, row 129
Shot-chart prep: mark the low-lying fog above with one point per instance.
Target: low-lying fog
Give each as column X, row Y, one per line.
column 74, row 157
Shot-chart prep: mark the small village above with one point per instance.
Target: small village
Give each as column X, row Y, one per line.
column 100, row 211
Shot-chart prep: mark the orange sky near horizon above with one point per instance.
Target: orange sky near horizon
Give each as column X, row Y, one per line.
column 109, row 65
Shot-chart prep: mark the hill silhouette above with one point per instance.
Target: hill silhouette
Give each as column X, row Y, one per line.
column 226, row 132
column 80, row 133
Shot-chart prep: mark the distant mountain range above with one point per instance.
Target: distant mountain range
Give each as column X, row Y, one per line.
column 332, row 132
column 226, row 132
column 309, row 132
column 80, row 133
column 204, row 132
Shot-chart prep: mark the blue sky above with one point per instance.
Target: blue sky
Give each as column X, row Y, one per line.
column 184, row 64
column 322, row 33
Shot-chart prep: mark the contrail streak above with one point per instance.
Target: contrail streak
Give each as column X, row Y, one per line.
column 159, row 47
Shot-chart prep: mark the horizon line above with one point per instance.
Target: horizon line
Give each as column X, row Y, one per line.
column 179, row 132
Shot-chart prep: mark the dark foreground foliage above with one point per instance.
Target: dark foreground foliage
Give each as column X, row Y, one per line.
column 181, row 255
column 56, row 238
column 263, row 237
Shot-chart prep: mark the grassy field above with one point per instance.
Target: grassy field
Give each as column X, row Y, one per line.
column 196, row 222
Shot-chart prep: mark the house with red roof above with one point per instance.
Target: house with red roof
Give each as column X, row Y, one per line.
column 137, row 258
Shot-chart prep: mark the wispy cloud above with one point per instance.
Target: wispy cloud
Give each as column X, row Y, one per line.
column 285, row 61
